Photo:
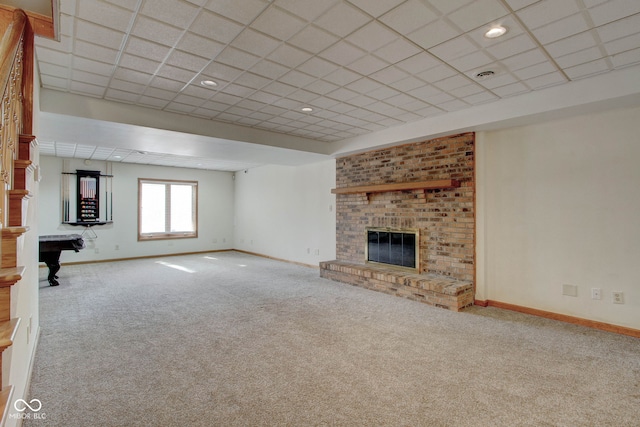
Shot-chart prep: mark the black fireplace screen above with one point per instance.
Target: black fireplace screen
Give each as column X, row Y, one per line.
column 392, row 247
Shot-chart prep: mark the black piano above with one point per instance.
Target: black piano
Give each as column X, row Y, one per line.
column 51, row 247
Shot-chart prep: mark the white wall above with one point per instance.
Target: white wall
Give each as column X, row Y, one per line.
column 215, row 211
column 287, row 212
column 559, row 203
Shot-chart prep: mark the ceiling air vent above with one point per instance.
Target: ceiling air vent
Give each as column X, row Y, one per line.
column 484, row 74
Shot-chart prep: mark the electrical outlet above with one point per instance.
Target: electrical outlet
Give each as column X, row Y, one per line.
column 96, row 250
column 117, row 247
column 570, row 290
column 596, row 293
column 618, row 297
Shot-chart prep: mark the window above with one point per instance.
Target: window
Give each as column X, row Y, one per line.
column 167, row 209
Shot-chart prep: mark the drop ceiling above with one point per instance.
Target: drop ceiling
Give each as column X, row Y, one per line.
column 368, row 69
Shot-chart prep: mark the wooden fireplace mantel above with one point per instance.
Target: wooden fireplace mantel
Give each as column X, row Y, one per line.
column 400, row 186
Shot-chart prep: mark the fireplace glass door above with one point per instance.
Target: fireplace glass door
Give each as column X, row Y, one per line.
column 392, row 247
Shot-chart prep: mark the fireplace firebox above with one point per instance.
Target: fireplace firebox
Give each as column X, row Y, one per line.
column 392, row 247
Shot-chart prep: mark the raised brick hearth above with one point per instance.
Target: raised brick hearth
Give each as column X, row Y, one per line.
column 444, row 218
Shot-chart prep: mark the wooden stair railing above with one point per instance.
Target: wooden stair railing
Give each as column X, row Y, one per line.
column 16, row 172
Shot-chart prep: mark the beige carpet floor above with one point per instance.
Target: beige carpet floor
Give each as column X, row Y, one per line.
column 229, row 339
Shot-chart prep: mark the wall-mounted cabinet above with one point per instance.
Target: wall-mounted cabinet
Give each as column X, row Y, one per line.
column 87, row 198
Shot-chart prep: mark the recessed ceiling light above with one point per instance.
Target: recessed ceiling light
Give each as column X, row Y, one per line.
column 209, row 83
column 496, row 31
column 117, row 157
column 307, row 109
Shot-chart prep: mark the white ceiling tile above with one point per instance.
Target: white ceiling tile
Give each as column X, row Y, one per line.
column 98, row 35
column 166, row 88
column 87, row 89
column 469, row 62
column 409, row 17
column 535, row 71
column 624, row 59
column 519, row 4
column 453, row 105
column 398, row 50
column 85, row 77
column 215, row 27
column 342, row 19
column 236, row 91
column 454, row 48
column 302, row 95
column 269, row 69
column 321, row 87
column 342, row 77
column 376, row 8
column 251, row 80
column 175, row 73
column 524, row 59
column 511, row 90
column 92, row 66
column 437, row 73
column 342, row 53
column 619, row 29
column 433, row 34
column 448, row 6
column 418, row 63
column 546, row 11
column 121, row 96
column 198, row 45
column 389, row 75
column 307, row 9
column 296, row 78
column 342, row 94
column 407, row 84
column 127, row 86
column 152, row 102
column 466, row 91
column 623, row 44
column 177, row 13
column 313, row 39
column 187, row 61
column 146, row 49
column 95, row 52
column 289, row 56
column 105, row 14
column 498, row 80
column 383, row 92
column 243, row 11
column 571, row 44
column 545, row 80
column 254, row 42
column 278, row 23
column 52, row 82
column 577, row 58
column 560, row 29
column 318, row 67
column 139, row 63
column 613, row 10
column 451, row 83
column 218, row 71
column 372, row 36
column 363, row 85
column 477, row 13
column 53, row 57
column 55, row 70
column 237, row 58
column 586, row 70
column 511, row 46
column 367, row 65
column 65, row 44
column 156, row 31
column 279, row 89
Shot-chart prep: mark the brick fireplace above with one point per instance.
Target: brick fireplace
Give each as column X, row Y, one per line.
column 426, row 186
